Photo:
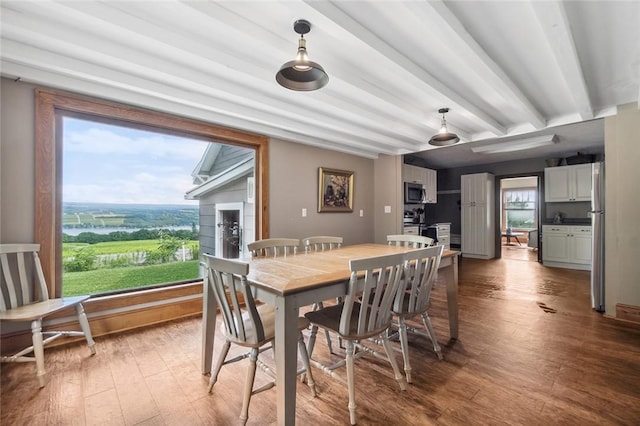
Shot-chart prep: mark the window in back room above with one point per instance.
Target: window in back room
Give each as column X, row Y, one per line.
column 519, row 203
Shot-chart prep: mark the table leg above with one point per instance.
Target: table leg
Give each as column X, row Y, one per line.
column 286, row 358
column 209, row 312
column 452, row 296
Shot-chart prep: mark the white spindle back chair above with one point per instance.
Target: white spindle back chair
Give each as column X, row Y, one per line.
column 321, row 243
column 24, row 298
column 273, row 247
column 413, row 298
column 247, row 325
column 415, row 241
column 364, row 313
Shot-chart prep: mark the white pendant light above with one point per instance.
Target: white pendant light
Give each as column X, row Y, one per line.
column 301, row 73
column 443, row 137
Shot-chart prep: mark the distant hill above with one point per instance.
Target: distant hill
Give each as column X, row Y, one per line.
column 103, row 215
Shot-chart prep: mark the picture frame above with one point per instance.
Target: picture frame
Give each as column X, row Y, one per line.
column 335, row 190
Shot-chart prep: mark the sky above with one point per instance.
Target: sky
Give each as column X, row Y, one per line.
column 111, row 164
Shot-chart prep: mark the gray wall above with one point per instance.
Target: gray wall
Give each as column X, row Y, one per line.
column 17, row 181
column 293, row 174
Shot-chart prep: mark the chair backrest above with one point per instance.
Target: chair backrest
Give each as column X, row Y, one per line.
column 21, row 278
column 321, row 243
column 228, row 278
column 415, row 241
column 373, row 285
column 420, row 272
column 273, row 246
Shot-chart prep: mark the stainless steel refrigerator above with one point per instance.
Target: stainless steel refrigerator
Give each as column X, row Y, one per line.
column 597, row 237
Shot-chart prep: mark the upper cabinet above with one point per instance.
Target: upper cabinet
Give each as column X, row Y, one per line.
column 427, row 177
column 477, row 216
column 568, row 183
column 474, row 188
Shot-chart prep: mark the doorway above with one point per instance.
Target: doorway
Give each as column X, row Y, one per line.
column 518, row 218
column 229, row 230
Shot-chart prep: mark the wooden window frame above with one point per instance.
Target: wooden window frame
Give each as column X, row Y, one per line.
column 51, row 105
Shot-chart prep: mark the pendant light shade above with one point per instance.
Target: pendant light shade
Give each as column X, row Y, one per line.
column 443, row 137
column 301, row 73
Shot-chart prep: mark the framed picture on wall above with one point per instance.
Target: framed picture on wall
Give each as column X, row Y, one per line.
column 335, row 190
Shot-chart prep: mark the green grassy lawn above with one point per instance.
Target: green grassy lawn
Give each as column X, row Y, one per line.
column 113, row 247
column 102, row 280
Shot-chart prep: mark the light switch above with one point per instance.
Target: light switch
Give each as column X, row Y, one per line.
column 387, row 209
column 361, row 213
column 304, row 212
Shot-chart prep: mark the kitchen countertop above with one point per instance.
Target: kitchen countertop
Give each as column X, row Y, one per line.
column 569, row 221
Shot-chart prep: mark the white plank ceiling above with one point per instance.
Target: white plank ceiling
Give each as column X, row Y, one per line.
column 505, row 69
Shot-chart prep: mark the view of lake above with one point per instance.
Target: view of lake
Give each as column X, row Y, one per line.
column 103, row 231
column 104, row 218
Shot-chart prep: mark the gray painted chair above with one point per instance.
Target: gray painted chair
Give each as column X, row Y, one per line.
column 246, row 325
column 413, row 298
column 374, row 280
column 322, row 243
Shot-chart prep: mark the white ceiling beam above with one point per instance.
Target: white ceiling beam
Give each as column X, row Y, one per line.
column 250, row 104
column 553, row 20
column 333, row 13
column 475, row 54
column 165, row 103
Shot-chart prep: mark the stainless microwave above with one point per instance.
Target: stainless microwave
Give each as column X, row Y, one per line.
column 414, row 193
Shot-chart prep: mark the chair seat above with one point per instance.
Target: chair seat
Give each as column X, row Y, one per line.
column 267, row 315
column 37, row 310
column 329, row 318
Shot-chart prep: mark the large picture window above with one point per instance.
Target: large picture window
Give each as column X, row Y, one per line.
column 52, row 108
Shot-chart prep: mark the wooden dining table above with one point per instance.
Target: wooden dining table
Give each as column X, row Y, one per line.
column 295, row 280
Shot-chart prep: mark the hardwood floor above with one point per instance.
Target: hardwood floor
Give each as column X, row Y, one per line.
column 530, row 352
column 518, row 252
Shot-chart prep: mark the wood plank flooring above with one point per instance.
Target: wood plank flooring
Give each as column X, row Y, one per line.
column 530, row 352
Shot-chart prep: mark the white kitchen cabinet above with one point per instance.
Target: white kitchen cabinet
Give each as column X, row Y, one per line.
column 426, row 177
column 441, row 233
column 478, row 225
column 566, row 246
column 411, row 230
column 568, row 183
column 431, row 185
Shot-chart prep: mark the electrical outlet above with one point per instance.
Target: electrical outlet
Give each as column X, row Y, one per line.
column 361, row 213
column 304, row 212
column 387, row 209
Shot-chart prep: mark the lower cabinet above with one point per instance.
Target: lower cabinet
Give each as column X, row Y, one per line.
column 566, row 246
column 411, row 230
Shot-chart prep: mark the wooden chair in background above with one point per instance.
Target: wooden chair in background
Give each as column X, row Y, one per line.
column 375, row 281
column 273, row 247
column 24, row 298
column 412, row 299
column 321, row 243
column 415, row 241
column 246, row 325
